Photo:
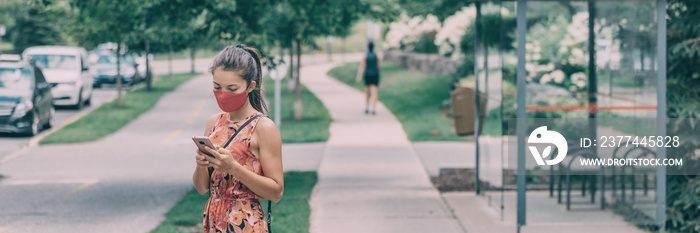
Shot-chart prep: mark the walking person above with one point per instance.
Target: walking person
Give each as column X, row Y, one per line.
column 249, row 168
column 369, row 69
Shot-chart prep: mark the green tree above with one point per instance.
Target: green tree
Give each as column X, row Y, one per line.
column 185, row 23
column 314, row 18
column 288, row 23
column 683, row 98
column 34, row 26
column 278, row 28
column 102, row 21
column 170, row 26
column 237, row 21
column 683, row 57
column 440, row 8
column 8, row 14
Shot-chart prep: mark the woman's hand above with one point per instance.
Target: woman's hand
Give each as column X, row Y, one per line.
column 223, row 161
column 201, row 159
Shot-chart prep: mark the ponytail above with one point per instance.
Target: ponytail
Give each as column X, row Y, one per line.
column 246, row 61
column 255, row 96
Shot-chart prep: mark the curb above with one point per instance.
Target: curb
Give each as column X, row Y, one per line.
column 34, row 141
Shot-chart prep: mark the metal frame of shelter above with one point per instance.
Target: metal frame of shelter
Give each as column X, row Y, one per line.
column 521, row 10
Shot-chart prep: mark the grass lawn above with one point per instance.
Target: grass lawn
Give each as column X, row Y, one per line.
column 108, row 118
column 413, row 97
column 291, row 214
column 7, row 46
column 314, row 125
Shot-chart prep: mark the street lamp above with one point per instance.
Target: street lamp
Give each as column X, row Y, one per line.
column 278, row 72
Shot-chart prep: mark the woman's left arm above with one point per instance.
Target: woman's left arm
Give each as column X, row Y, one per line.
column 361, row 69
column 270, row 185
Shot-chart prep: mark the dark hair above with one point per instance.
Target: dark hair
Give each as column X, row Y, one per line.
column 246, row 62
column 370, row 46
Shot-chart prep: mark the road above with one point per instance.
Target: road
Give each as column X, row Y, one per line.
column 124, row 182
column 9, row 143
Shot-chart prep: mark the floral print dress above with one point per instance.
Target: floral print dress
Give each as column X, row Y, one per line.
column 233, row 207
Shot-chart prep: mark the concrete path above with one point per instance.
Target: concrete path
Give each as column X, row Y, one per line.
column 437, row 155
column 544, row 215
column 12, row 143
column 370, row 179
column 484, row 214
column 125, row 182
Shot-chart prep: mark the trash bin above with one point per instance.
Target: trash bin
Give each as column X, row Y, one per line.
column 463, row 109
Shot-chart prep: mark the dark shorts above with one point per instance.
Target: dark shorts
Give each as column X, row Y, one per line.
column 371, row 79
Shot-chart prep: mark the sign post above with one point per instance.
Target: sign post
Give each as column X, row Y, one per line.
column 2, row 33
column 278, row 74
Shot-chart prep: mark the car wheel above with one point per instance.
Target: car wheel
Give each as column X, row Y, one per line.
column 89, row 100
column 80, row 103
column 34, row 127
column 52, row 118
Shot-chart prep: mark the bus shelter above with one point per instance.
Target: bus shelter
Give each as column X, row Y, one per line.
column 585, row 68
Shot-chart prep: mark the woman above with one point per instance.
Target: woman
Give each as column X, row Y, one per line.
column 250, row 167
column 370, row 67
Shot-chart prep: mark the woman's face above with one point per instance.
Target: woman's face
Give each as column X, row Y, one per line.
column 230, row 81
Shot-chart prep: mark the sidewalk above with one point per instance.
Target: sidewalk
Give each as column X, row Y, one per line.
column 124, row 182
column 370, row 179
column 544, row 215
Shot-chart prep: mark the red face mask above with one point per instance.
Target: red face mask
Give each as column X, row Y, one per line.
column 230, row 102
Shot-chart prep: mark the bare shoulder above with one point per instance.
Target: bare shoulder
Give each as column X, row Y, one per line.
column 210, row 123
column 267, row 128
column 266, row 138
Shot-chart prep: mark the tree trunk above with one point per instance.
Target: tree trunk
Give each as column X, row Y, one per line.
column 119, row 76
column 330, row 48
column 170, row 63
column 281, row 53
column 192, row 51
column 291, row 83
column 148, row 66
column 298, row 110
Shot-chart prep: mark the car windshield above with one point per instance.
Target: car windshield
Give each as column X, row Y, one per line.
column 15, row 78
column 62, row 62
column 106, row 59
column 112, row 59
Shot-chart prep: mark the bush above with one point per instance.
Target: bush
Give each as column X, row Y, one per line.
column 683, row 192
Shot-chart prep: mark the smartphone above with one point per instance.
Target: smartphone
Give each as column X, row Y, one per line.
column 202, row 143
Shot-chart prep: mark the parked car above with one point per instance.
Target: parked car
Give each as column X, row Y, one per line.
column 140, row 60
column 66, row 69
column 104, row 70
column 25, row 99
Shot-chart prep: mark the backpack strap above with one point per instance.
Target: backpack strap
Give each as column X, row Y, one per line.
column 269, row 216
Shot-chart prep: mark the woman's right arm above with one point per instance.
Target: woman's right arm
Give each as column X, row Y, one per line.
column 200, row 178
